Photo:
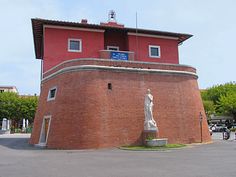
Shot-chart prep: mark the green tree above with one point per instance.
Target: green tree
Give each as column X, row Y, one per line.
column 204, row 95
column 8, row 105
column 214, row 93
column 227, row 104
column 15, row 107
column 220, row 99
column 209, row 108
column 28, row 106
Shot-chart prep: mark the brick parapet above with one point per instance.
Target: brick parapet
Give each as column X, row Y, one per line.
column 118, row 63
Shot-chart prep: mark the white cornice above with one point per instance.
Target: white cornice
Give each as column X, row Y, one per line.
column 151, row 35
column 73, row 28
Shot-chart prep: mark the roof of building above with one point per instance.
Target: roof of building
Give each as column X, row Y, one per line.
column 11, row 88
column 37, row 25
column 7, row 87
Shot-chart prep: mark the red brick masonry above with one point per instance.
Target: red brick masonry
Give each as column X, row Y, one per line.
column 86, row 114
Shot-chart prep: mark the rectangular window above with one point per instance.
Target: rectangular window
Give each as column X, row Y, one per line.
column 74, row 45
column 52, row 94
column 109, row 86
column 115, row 48
column 154, row 51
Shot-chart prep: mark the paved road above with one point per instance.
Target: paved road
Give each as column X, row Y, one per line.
column 18, row 159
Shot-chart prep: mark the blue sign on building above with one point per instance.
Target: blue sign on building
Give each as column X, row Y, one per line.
column 119, row 55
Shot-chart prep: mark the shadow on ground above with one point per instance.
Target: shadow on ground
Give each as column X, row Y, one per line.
column 16, row 142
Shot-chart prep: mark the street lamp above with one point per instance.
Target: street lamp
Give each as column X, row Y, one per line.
column 200, row 120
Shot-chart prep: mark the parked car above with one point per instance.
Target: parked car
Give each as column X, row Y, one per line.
column 217, row 128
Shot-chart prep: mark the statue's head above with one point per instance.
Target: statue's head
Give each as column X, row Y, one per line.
column 148, row 91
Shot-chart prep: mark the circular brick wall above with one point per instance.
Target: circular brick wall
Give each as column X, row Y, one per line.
column 86, row 114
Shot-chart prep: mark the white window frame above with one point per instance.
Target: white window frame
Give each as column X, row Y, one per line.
column 49, row 93
column 42, row 133
column 80, row 45
column 114, row 47
column 159, row 51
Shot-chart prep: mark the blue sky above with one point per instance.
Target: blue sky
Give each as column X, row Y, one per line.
column 210, row 50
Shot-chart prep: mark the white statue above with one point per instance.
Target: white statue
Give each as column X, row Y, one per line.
column 8, row 124
column 149, row 123
column 27, row 123
column 23, row 124
column 4, row 124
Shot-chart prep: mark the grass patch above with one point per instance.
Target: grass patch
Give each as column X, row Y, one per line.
column 148, row 148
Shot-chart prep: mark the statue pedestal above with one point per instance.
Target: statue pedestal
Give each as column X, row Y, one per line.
column 149, row 134
column 157, row 142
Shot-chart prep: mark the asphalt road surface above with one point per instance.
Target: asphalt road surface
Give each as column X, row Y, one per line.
column 18, row 159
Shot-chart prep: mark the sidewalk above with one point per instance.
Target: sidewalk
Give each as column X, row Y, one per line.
column 15, row 135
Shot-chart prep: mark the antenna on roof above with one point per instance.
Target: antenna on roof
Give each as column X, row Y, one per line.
column 136, row 35
column 112, row 16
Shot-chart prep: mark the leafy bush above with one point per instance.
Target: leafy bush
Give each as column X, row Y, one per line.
column 150, row 137
column 233, row 129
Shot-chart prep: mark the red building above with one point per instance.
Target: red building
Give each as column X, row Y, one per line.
column 52, row 40
column 94, row 78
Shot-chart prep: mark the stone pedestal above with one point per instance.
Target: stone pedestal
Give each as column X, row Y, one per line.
column 147, row 134
column 157, row 142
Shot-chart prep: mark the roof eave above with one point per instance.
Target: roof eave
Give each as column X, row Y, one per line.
column 37, row 45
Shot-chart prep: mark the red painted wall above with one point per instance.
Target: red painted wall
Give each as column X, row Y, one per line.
column 168, row 47
column 56, row 45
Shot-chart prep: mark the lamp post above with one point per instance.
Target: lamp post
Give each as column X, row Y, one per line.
column 200, row 120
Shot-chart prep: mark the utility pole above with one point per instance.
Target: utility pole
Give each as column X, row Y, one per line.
column 200, row 120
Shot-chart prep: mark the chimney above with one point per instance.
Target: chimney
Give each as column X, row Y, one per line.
column 84, row 21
